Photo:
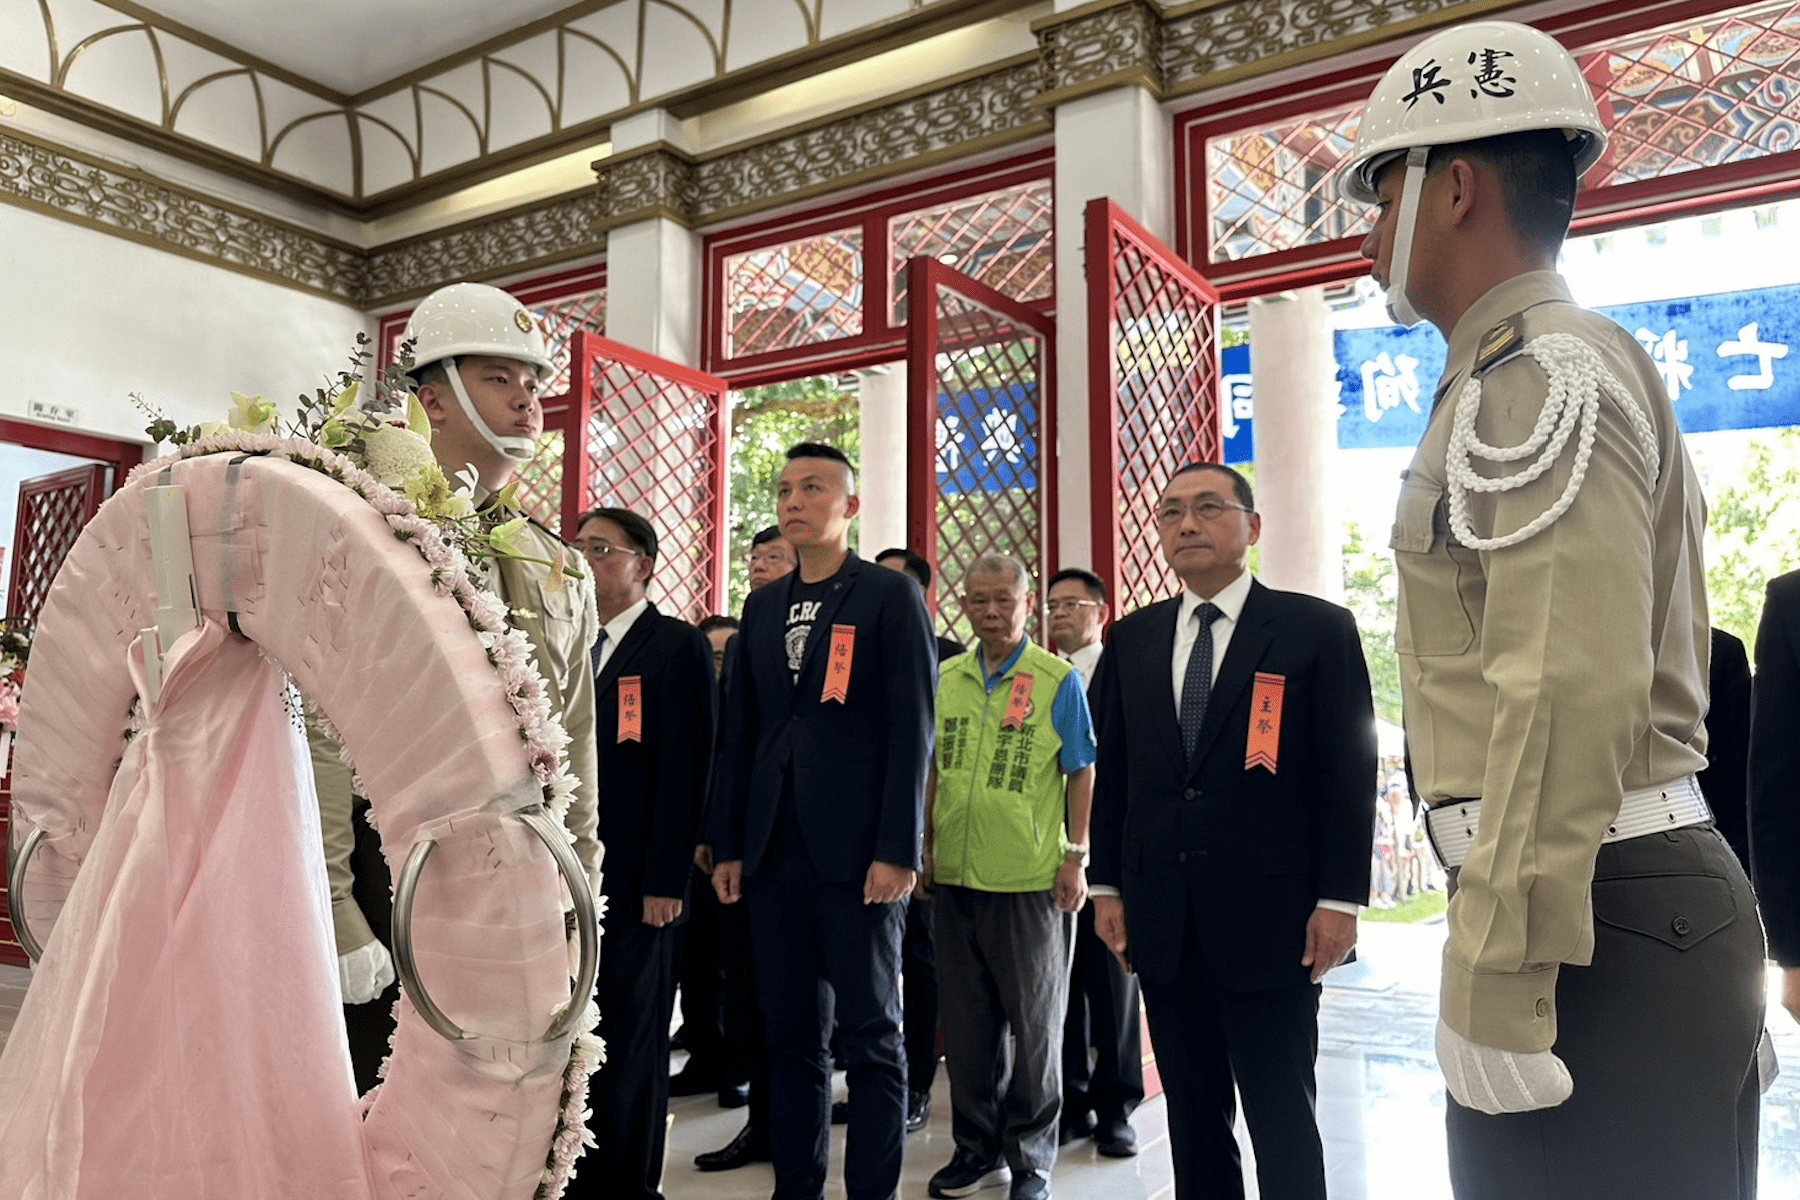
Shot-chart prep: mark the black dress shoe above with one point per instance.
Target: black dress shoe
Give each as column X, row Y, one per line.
column 1116, row 1139
column 1074, row 1127
column 691, row 1082
column 749, row 1146
column 840, row 1112
column 918, row 1110
column 734, row 1095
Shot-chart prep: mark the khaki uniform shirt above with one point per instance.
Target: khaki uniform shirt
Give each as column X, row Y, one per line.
column 561, row 627
column 1548, row 677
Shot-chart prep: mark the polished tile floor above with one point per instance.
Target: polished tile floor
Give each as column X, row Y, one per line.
column 1381, row 1101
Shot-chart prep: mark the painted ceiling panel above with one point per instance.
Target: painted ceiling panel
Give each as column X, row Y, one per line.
column 594, row 82
column 386, row 161
column 536, row 57
column 318, row 152
column 119, row 71
column 185, row 64
column 846, row 16
column 223, row 113
column 77, row 20
column 354, row 47
column 449, row 134
column 398, row 110
column 24, row 41
column 518, row 110
column 687, row 53
column 764, row 29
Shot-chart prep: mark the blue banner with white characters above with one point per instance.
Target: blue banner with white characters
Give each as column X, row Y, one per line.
column 987, row 439
column 1725, row 360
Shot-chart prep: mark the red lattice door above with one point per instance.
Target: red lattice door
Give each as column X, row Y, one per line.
column 650, row 435
column 980, row 430
column 53, row 509
column 1153, row 394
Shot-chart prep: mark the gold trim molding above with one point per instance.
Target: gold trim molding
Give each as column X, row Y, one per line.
column 117, row 200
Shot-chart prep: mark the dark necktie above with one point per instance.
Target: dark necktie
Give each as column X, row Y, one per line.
column 1198, row 681
column 600, row 645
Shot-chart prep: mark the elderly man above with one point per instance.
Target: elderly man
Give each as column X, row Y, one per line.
column 1006, row 835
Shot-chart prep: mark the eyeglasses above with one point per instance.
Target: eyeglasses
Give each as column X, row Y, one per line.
column 1207, row 510
column 602, row 549
column 1056, row 606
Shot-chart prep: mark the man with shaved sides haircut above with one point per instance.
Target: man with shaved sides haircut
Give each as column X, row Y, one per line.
column 817, row 824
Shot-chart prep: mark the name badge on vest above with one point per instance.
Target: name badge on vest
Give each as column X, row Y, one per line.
column 837, row 670
column 1264, row 746
column 1018, row 702
column 631, row 708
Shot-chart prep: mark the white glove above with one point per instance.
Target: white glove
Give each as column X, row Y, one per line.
column 1768, row 1066
column 365, row 973
column 1500, row 1081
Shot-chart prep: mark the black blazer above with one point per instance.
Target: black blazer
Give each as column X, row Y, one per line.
column 652, row 792
column 1724, row 782
column 858, row 767
column 1247, row 852
column 1775, row 768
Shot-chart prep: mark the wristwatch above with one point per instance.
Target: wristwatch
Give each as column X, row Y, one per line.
column 1077, row 854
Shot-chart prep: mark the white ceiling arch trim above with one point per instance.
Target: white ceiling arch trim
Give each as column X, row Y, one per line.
column 240, row 86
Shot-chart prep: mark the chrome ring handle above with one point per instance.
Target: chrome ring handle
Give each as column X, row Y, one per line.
column 549, row 832
column 15, row 894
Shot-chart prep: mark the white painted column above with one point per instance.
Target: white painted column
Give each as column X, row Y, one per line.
column 1116, row 144
column 653, row 266
column 882, row 478
column 1292, row 362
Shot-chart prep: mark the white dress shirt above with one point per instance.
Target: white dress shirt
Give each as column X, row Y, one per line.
column 1230, row 603
column 617, row 628
column 1084, row 661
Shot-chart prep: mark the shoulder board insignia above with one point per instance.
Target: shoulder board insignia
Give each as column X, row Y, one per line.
column 1499, row 344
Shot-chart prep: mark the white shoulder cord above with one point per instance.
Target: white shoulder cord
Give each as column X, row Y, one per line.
column 1577, row 375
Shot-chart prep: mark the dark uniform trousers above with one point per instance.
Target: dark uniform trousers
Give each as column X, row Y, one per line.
column 1677, row 977
column 1103, row 1040
column 1216, row 1043
column 805, row 927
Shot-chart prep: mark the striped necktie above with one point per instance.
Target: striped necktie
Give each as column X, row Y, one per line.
column 599, row 648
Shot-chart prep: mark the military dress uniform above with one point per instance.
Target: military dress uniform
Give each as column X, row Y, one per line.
column 560, row 624
column 1554, row 680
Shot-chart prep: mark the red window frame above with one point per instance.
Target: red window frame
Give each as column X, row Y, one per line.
column 880, row 341
column 1688, row 193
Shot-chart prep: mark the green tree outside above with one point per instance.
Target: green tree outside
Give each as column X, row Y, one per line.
column 765, row 421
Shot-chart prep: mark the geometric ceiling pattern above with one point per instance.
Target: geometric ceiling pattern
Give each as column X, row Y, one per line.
column 513, row 99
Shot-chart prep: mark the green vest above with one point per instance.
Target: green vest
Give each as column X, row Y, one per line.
column 998, row 817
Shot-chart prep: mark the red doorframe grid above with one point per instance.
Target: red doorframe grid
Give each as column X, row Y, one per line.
column 925, row 277
column 1685, row 193
column 121, row 456
column 880, row 340
column 590, row 351
column 1102, row 222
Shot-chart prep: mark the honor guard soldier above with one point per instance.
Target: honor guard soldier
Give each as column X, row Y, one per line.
column 1602, row 980
column 479, row 360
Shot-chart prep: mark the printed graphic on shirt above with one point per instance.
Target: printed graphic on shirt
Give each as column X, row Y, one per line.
column 800, row 617
column 1011, row 765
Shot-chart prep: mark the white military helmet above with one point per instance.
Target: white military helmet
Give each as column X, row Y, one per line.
column 1475, row 81
column 467, row 319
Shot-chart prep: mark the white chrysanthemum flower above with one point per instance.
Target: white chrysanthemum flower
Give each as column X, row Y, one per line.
column 394, row 453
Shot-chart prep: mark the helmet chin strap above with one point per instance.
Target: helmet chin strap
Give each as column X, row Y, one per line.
column 1399, row 305
column 519, row 449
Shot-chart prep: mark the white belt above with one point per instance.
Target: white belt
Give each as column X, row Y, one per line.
column 1667, row 806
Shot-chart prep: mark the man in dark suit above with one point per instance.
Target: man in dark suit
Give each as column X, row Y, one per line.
column 1233, row 810
column 818, row 821
column 1725, row 781
column 1775, row 779
column 654, row 705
